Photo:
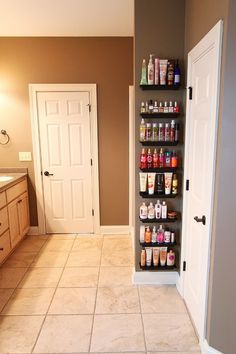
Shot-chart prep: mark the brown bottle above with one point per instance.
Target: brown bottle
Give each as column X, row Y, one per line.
column 148, row 235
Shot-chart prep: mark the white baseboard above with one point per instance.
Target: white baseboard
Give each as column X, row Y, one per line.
column 115, row 230
column 155, row 278
column 33, row 230
column 206, row 349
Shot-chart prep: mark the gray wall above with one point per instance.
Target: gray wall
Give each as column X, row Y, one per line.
column 160, row 31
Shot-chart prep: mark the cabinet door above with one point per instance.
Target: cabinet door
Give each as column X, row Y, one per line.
column 14, row 226
column 23, row 212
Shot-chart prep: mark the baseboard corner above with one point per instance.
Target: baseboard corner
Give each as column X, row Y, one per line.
column 33, row 230
column 206, row 349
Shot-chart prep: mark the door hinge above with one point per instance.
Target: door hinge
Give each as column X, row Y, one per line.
column 92, row 212
column 184, row 266
column 91, row 162
column 41, row 173
column 187, row 184
column 89, row 106
column 190, row 92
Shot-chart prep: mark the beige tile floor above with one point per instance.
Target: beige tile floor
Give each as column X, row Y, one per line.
column 74, row 294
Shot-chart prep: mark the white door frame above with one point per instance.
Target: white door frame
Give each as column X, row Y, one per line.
column 33, row 91
column 215, row 35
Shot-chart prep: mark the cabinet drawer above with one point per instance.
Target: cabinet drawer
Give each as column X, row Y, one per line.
column 5, row 246
column 3, row 200
column 3, row 220
column 16, row 190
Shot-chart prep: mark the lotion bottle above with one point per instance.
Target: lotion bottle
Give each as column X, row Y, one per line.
column 154, row 234
column 158, row 210
column 164, row 210
column 143, row 211
column 151, row 213
column 150, row 70
column 144, row 73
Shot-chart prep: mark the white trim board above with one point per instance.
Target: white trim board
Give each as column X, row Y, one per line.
column 206, row 349
column 155, row 278
column 115, row 230
column 33, row 90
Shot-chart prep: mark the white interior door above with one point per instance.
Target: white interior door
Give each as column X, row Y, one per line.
column 201, row 132
column 64, row 128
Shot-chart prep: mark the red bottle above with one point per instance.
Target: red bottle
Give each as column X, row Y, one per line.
column 161, row 158
column 174, row 159
column 143, row 159
column 155, row 159
column 149, row 159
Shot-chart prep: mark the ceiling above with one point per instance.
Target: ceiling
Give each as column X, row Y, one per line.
column 66, row 18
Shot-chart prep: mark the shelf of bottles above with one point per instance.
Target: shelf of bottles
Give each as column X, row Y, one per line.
column 159, row 251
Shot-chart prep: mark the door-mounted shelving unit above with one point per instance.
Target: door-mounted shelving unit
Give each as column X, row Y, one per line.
column 172, row 222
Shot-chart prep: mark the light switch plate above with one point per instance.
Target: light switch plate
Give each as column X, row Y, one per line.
column 25, row 156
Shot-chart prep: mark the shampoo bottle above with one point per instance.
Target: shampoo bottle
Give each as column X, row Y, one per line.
column 150, row 71
column 164, row 210
column 142, row 130
column 143, row 211
column 154, row 234
column 160, row 235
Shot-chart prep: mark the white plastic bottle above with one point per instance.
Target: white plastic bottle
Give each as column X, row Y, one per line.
column 150, row 70
column 158, row 210
column 143, row 211
column 151, row 211
column 164, row 210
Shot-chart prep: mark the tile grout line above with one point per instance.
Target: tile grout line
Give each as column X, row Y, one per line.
column 95, row 303
column 16, row 287
column 144, row 336
column 56, row 287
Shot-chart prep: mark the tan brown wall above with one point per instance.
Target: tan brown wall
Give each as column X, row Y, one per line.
column 105, row 61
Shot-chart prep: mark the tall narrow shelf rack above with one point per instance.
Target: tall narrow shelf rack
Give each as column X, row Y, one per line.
column 146, row 197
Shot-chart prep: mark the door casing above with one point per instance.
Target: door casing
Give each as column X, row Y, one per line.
column 91, row 89
column 216, row 33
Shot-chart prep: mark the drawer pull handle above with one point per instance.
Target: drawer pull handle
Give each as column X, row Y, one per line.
column 0, row 224
column 19, row 201
column 1, row 249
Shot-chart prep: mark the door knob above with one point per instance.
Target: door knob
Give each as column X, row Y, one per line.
column 203, row 219
column 46, row 173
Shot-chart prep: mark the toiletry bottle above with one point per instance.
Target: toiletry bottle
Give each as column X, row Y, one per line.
column 160, row 235
column 154, row 132
column 158, row 210
column 156, row 75
column 154, row 234
column 166, row 108
column 172, row 237
column 174, row 184
column 151, row 211
column 147, row 235
column 170, row 258
column 164, row 210
column 161, row 132
column 155, row 159
column 172, row 131
column 170, row 72
column 155, row 108
column 142, row 234
column 161, row 108
column 177, row 74
column 144, row 73
column 149, row 159
column 146, row 107
column 171, row 108
column 160, row 183
column 150, row 70
column 167, row 132
column 161, row 158
column 177, row 132
column 176, row 107
column 142, row 130
column 143, row 212
column 148, row 132
column 143, row 159
column 167, row 159
column 142, row 109
column 167, row 236
column 143, row 258
column 150, row 106
column 174, row 159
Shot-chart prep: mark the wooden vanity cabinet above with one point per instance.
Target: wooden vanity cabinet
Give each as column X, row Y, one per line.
column 14, row 217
